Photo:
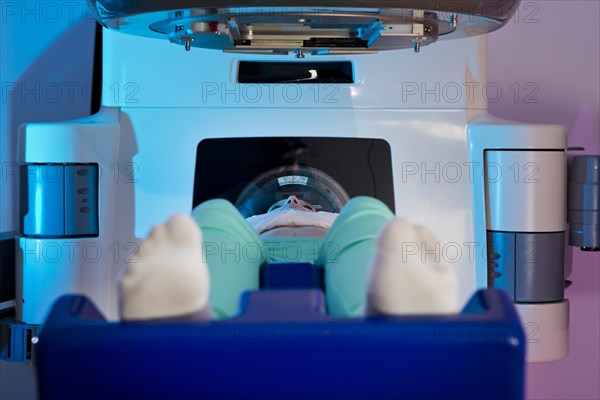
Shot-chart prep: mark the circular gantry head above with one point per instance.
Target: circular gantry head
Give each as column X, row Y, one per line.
column 305, row 27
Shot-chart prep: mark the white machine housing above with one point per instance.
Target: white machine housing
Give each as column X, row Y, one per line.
column 159, row 102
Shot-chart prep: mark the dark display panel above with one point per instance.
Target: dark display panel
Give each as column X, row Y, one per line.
column 224, row 167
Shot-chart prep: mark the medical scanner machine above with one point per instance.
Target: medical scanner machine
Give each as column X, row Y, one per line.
column 199, row 98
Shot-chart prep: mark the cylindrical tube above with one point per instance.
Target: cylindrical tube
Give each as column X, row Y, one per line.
column 584, row 203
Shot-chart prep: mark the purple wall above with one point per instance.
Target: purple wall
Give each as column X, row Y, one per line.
column 547, row 62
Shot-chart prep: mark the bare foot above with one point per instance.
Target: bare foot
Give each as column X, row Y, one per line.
column 167, row 278
column 409, row 275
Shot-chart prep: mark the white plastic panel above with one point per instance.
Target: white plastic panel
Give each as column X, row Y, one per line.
column 526, row 190
column 488, row 133
column 546, row 329
column 142, row 72
column 49, row 268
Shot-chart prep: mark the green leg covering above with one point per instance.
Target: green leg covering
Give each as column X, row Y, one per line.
column 233, row 252
column 347, row 251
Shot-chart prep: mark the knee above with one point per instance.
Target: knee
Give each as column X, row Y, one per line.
column 362, row 206
column 212, row 208
column 361, row 203
column 214, row 205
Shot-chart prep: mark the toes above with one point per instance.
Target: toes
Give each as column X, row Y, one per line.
column 408, row 276
column 159, row 232
column 170, row 278
column 146, row 248
column 183, row 230
column 397, row 234
column 427, row 238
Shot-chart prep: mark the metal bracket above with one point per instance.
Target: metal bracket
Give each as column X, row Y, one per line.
column 17, row 340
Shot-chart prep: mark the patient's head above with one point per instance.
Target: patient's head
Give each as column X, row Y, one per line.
column 292, row 203
column 292, row 217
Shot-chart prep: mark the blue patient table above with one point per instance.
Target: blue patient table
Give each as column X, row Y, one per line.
column 283, row 346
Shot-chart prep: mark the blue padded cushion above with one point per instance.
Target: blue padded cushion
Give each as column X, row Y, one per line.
column 282, row 275
column 283, row 346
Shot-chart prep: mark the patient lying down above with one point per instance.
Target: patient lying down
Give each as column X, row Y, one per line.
column 174, row 276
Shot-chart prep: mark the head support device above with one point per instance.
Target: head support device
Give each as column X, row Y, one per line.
column 309, row 184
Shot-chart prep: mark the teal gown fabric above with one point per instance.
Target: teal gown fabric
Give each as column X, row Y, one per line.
column 234, row 253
